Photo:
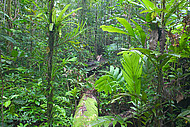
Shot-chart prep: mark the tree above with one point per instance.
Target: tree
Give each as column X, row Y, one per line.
column 52, row 36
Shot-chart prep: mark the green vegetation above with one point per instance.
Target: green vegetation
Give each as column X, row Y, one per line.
column 95, row 63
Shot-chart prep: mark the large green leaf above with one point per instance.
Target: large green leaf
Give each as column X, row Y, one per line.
column 132, row 70
column 113, row 29
column 141, row 32
column 149, row 5
column 126, row 25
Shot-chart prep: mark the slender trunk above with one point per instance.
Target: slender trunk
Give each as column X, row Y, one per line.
column 160, row 73
column 10, row 25
column 9, row 14
column 50, row 63
column 163, row 36
column 2, row 93
column 96, row 31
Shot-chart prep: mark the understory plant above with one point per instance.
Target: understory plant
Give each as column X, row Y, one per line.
column 128, row 80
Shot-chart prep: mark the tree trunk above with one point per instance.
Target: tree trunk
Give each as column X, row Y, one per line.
column 10, row 25
column 50, row 63
column 2, row 93
column 160, row 73
column 163, row 36
column 96, row 31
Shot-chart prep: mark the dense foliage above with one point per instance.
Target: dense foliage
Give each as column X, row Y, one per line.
column 95, row 63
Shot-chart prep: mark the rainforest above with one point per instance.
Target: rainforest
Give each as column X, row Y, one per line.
column 95, row 63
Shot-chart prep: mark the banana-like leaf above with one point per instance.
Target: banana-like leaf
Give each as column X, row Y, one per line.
column 113, row 29
column 141, row 32
column 126, row 25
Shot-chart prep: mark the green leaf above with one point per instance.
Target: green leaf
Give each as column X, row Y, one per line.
column 101, row 79
column 8, row 38
column 70, row 13
column 184, row 113
column 116, row 72
column 109, row 82
column 145, row 11
column 126, row 25
column 149, row 4
column 60, row 33
column 141, row 31
column 119, row 76
column 148, row 17
column 132, row 71
column 5, row 15
column 7, row 103
column 111, row 69
column 54, row 16
column 59, row 18
column 118, row 98
column 132, row 2
column 112, row 29
column 162, row 56
column 13, row 96
column 106, row 120
column 183, row 40
column 149, row 53
column 72, row 59
column 164, row 62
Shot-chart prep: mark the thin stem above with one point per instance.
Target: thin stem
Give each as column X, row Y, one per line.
column 2, row 93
